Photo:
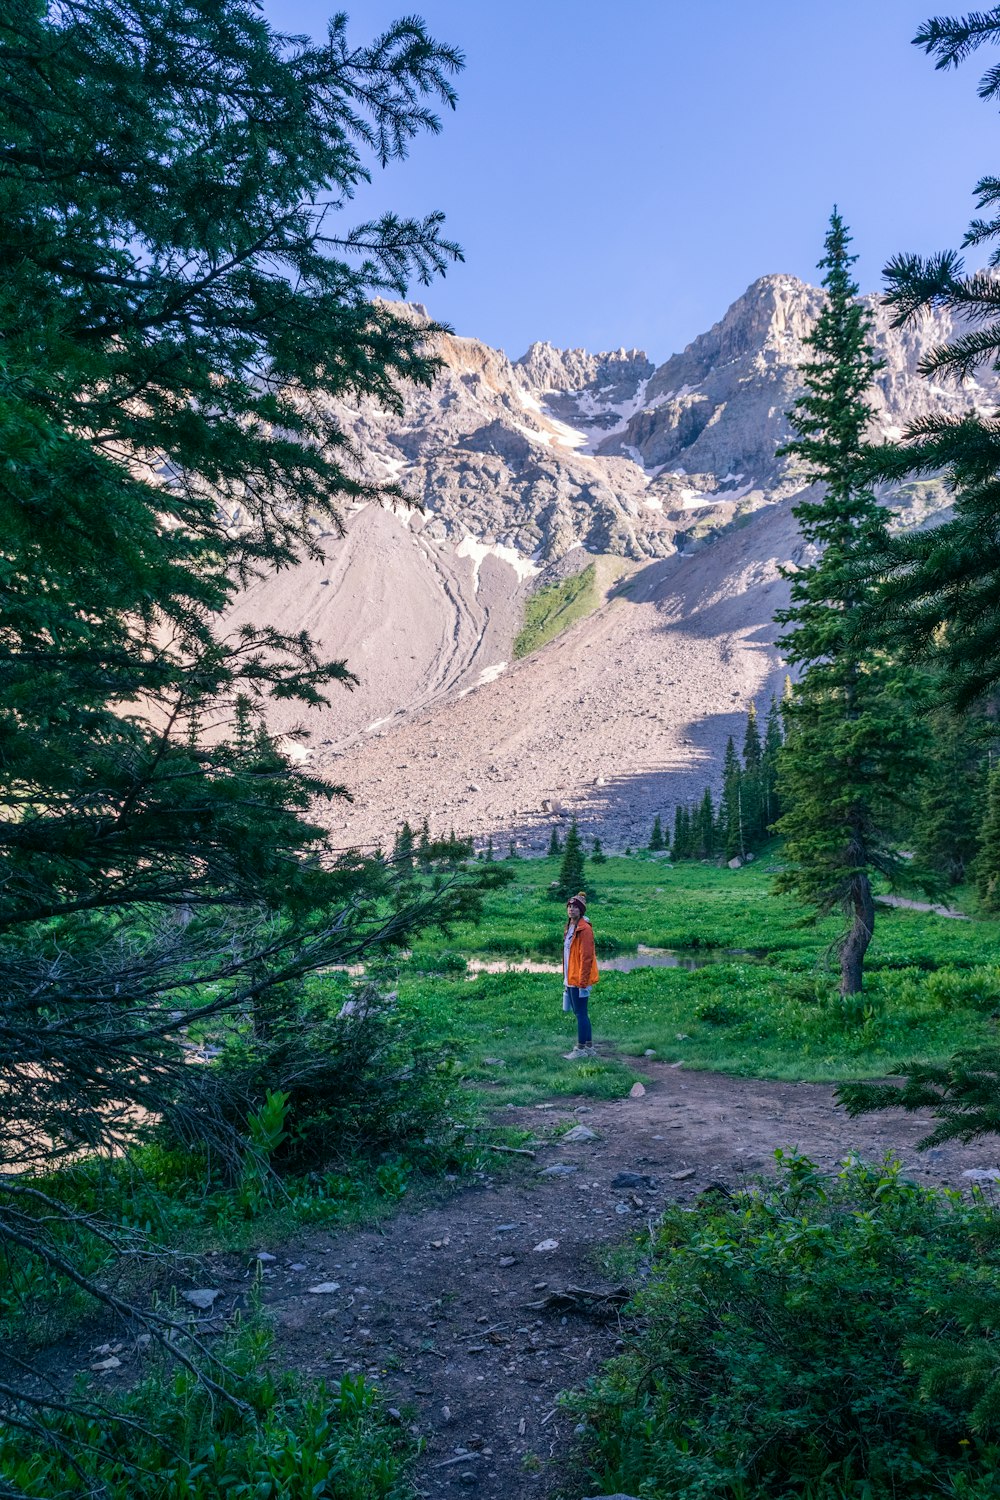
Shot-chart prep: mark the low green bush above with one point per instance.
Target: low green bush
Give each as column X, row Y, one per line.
column 974, row 989
column 357, row 1074
column 823, row 1338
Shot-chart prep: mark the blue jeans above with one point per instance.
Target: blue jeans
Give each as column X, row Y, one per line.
column 578, row 1000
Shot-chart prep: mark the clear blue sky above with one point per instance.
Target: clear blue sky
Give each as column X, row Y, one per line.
column 617, row 174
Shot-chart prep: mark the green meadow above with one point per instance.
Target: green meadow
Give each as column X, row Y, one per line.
column 763, row 1003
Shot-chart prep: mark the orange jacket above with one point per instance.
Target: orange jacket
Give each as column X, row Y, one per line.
column 581, row 971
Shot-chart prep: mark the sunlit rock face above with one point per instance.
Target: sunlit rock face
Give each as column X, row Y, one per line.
column 524, row 471
column 563, row 448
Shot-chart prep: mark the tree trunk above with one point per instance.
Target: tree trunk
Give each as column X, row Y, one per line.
column 852, row 954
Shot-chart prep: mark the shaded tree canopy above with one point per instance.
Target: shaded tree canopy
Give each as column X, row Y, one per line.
column 182, row 303
column 940, row 588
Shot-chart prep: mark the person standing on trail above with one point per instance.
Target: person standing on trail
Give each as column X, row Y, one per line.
column 579, row 973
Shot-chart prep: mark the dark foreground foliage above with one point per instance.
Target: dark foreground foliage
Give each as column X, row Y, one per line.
column 823, row 1338
column 170, row 1438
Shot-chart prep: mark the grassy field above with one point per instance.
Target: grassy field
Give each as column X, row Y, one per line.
column 764, row 1004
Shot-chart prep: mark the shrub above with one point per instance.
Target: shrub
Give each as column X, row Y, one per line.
column 818, row 1339
column 353, row 1082
column 954, row 989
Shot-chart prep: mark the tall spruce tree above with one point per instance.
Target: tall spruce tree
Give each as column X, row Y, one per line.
column 988, row 857
column 752, row 787
column 951, row 795
column 571, row 871
column 677, row 842
column 706, row 826
column 773, row 739
column 940, row 586
column 851, row 745
column 402, row 851
column 734, row 826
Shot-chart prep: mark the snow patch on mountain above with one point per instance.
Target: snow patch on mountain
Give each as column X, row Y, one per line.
column 479, row 551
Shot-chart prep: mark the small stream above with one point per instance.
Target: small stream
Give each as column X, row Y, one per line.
column 622, row 963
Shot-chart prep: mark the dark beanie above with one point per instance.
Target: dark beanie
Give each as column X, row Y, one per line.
column 580, row 900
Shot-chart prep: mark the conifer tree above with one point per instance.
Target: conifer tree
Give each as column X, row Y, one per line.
column 571, row 871
column 734, row 826
column 403, row 848
column 424, row 845
column 597, row 853
column 706, row 826
column 677, row 844
column 851, row 745
column 773, row 740
column 656, row 842
column 988, row 857
column 951, row 795
column 752, row 789
column 555, row 848
column 940, row 584
column 186, row 302
column 490, row 856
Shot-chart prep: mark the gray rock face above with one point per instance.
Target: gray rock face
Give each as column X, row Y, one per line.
column 563, row 448
column 523, row 470
column 719, row 409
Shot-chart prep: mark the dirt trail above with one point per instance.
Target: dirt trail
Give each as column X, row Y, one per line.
column 939, row 911
column 438, row 1303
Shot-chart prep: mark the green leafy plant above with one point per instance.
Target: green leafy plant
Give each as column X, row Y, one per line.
column 823, row 1337
column 172, row 1437
column 554, row 607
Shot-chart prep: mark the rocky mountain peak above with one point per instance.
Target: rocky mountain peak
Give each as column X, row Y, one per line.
column 548, row 369
column 564, row 448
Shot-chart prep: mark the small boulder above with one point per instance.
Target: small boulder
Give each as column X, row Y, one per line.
column 201, row 1298
column 633, row 1180
column 636, row 1091
column 580, row 1133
